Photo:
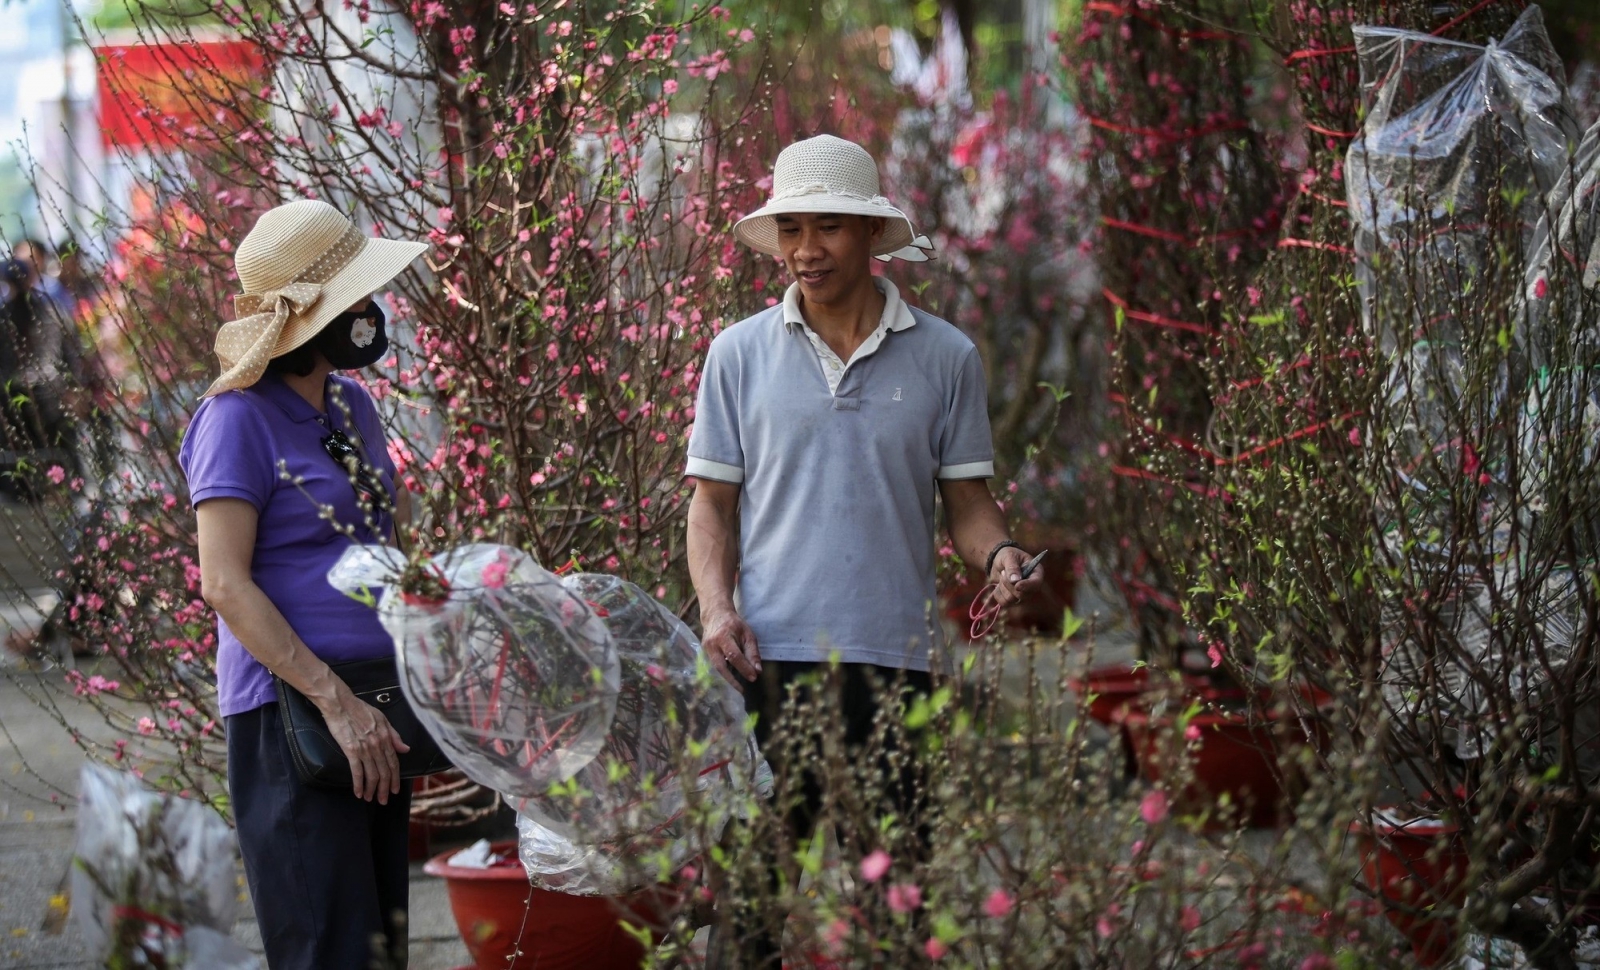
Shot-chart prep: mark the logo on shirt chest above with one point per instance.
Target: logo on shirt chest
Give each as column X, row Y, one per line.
column 896, row 395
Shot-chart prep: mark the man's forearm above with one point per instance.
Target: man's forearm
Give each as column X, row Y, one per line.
column 713, row 551
column 975, row 521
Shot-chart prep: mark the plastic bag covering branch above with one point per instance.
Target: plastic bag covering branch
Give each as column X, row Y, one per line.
column 1566, row 246
column 153, row 881
column 585, row 701
column 514, row 676
column 1454, row 135
column 623, row 824
column 1461, row 149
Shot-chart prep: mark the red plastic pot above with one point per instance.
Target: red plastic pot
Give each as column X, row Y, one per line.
column 1232, row 757
column 1414, row 868
column 1111, row 690
column 500, row 914
column 1115, row 689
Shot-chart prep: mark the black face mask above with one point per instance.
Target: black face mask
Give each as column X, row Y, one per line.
column 354, row 339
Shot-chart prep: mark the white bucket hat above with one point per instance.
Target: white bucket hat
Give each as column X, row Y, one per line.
column 301, row 265
column 828, row 174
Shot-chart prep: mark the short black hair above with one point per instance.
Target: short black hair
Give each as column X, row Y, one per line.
column 300, row 361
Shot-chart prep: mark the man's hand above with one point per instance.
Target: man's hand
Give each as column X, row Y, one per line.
column 1007, row 576
column 730, row 647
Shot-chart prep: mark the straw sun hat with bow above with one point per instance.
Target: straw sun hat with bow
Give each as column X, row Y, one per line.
column 303, row 264
column 830, row 175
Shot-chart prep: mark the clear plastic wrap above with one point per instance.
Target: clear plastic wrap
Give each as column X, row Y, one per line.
column 1452, row 693
column 674, row 718
column 1459, row 147
column 153, row 881
column 1566, row 241
column 515, row 677
column 1463, row 150
column 584, row 701
column 1454, row 134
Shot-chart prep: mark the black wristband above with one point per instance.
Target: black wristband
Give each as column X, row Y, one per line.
column 988, row 566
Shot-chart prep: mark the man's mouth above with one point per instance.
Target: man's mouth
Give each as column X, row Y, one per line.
column 813, row 277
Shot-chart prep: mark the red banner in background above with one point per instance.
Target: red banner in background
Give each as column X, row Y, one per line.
column 151, row 93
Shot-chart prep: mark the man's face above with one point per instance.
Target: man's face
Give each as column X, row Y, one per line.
column 828, row 254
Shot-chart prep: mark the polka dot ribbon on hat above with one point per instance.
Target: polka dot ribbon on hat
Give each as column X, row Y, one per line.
column 255, row 335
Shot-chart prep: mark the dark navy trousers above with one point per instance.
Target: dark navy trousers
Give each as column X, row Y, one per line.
column 861, row 690
column 328, row 872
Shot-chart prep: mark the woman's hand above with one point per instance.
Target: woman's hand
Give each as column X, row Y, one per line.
column 370, row 744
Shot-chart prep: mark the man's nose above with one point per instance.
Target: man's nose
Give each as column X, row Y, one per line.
column 810, row 245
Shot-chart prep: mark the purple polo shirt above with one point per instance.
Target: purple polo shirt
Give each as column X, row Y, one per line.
column 263, row 444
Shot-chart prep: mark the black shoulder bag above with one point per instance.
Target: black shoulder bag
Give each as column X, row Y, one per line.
column 318, row 759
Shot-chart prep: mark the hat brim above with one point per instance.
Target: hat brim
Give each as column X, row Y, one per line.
column 759, row 229
column 378, row 262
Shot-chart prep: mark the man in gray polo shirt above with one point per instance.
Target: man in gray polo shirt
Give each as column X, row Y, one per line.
column 822, row 427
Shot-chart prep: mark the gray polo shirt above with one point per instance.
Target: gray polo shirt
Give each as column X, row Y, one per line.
column 836, row 528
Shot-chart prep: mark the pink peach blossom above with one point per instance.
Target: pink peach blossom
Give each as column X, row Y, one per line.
column 1153, row 807
column 905, row 897
column 1189, row 919
column 998, row 904
column 875, row 865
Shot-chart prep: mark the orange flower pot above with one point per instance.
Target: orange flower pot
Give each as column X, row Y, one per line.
column 1413, row 869
column 1231, row 757
column 509, row 924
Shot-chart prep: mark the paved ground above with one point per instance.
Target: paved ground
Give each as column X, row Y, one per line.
column 38, row 771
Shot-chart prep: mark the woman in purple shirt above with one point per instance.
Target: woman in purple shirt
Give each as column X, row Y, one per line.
column 276, row 508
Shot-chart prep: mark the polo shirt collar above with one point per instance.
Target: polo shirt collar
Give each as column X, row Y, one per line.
column 896, row 315
column 273, row 388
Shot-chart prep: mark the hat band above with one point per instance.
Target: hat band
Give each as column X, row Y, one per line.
column 822, row 189
column 320, row 270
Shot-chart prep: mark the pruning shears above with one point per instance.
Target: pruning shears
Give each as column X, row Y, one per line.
column 985, row 610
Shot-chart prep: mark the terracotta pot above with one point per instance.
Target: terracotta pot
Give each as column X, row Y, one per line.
column 1232, row 757
column 1111, row 690
column 1115, row 689
column 1412, row 868
column 499, row 913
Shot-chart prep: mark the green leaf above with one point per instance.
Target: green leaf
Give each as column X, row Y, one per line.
column 1071, row 623
column 811, row 858
column 647, row 942
column 1059, row 393
column 363, row 596
column 918, row 715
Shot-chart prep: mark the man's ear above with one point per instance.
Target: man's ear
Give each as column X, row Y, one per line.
column 876, row 227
